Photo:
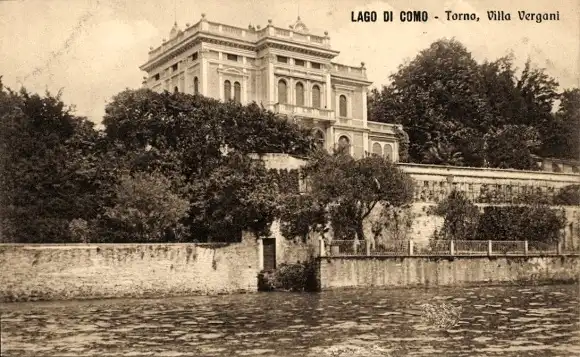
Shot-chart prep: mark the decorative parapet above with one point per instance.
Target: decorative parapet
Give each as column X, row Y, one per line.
column 487, row 186
column 297, row 33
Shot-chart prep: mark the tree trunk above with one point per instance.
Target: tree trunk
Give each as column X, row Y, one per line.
column 359, row 230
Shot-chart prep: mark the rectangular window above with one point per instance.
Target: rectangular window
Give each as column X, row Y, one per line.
column 156, row 77
column 315, row 65
column 299, row 62
column 174, row 67
column 194, row 56
column 282, row 59
column 231, row 57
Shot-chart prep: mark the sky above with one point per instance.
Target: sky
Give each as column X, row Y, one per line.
column 92, row 49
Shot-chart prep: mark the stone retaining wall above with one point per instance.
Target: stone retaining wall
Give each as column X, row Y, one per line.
column 343, row 272
column 85, row 271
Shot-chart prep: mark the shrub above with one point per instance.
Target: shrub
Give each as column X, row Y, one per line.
column 569, row 195
column 289, row 277
column 533, row 223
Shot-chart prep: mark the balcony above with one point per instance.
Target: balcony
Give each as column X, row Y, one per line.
column 349, row 71
column 356, row 123
column 382, row 128
column 309, row 112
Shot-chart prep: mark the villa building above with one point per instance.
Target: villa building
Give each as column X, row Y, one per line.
column 287, row 70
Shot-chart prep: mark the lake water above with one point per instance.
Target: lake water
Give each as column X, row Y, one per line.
column 494, row 321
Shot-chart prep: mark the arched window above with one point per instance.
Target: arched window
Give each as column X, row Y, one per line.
column 377, row 149
column 299, row 94
column 282, row 92
column 175, row 90
column 316, row 96
column 342, row 106
column 343, row 143
column 389, row 152
column 237, row 92
column 227, row 91
column 319, row 138
column 195, row 86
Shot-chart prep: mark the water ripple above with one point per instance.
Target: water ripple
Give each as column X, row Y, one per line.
column 494, row 321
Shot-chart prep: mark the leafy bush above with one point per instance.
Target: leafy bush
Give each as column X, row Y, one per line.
column 145, row 210
column 569, row 195
column 461, row 217
column 533, row 223
column 289, row 277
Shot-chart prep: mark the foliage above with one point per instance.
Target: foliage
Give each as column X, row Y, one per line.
column 145, row 210
column 403, row 139
column 568, row 195
column 301, row 215
column 286, row 180
column 532, row 223
column 234, row 197
column 460, row 217
column 289, row 277
column 350, row 189
column 562, row 135
column 205, row 143
column 48, row 174
column 394, row 223
column 459, row 112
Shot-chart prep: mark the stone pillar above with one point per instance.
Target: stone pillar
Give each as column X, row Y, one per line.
column 322, row 248
column 526, row 247
column 559, row 248
column 271, row 83
column 452, row 248
column 368, row 247
column 260, row 254
column 489, row 248
column 411, row 247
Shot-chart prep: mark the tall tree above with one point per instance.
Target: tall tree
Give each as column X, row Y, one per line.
column 450, row 106
column 562, row 135
column 45, row 168
column 351, row 188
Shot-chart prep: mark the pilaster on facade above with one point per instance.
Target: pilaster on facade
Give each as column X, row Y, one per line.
column 328, row 91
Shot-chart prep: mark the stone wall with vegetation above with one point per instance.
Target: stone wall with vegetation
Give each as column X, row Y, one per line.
column 87, row 271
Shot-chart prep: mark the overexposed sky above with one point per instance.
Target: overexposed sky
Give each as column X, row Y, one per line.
column 92, row 49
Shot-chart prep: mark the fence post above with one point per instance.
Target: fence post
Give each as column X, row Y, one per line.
column 368, row 247
column 322, row 252
column 559, row 248
column 452, row 248
column 525, row 247
column 489, row 248
column 410, row 247
column 355, row 246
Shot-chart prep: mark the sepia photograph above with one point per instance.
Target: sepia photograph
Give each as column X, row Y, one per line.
column 289, row 178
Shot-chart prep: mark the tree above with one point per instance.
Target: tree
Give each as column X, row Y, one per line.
column 235, row 197
column 460, row 215
column 45, row 168
column 351, row 188
column 536, row 222
column 568, row 195
column 145, row 210
column 451, row 107
column 562, row 135
column 206, row 143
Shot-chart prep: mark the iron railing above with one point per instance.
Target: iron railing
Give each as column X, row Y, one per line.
column 340, row 248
